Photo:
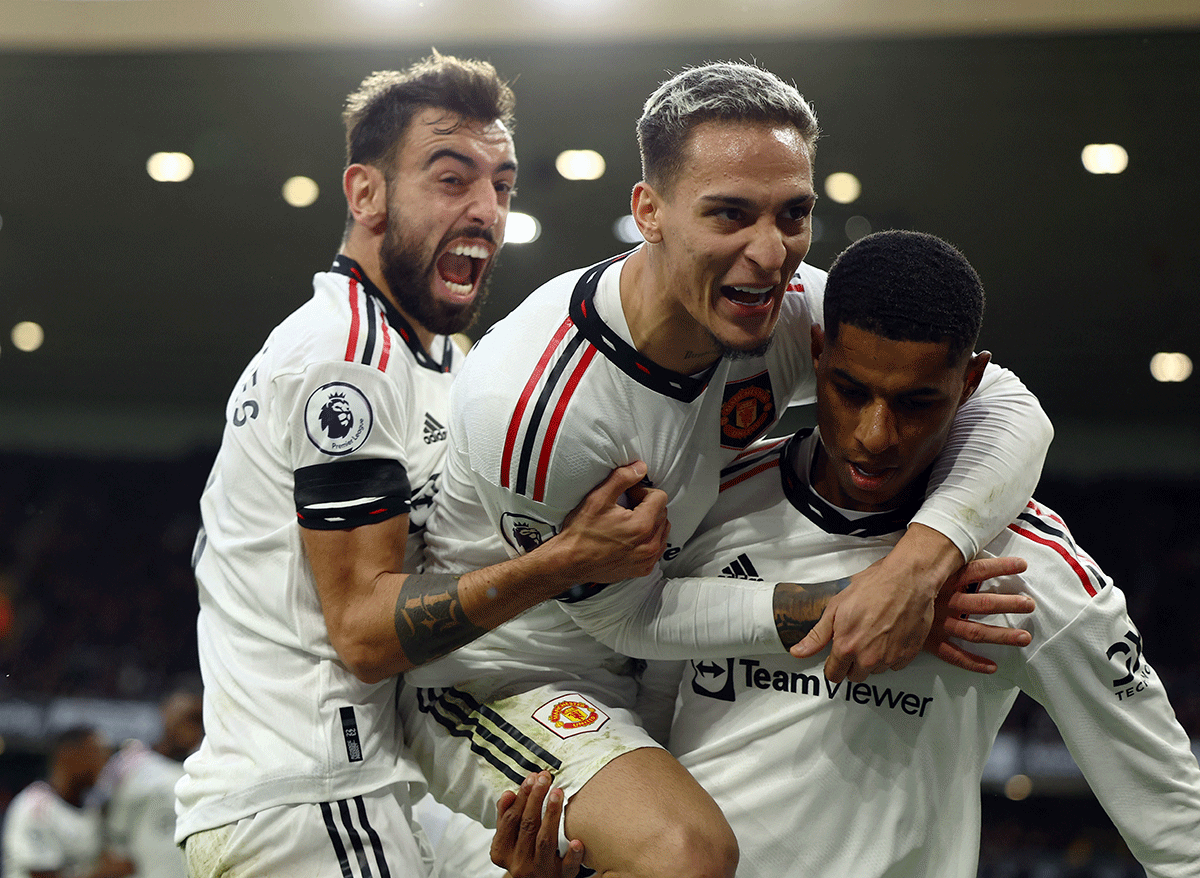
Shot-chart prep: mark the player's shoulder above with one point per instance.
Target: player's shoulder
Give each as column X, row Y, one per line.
column 1061, row 573
column 518, row 341
column 34, row 802
column 804, row 298
column 341, row 328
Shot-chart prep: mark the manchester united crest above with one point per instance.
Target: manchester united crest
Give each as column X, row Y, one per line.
column 570, row 715
column 747, row 410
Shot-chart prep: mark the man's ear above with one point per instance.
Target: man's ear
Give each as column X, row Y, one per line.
column 366, row 196
column 644, row 205
column 818, row 342
column 975, row 366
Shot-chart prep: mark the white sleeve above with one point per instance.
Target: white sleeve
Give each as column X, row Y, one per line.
column 1118, row 725
column 692, row 617
column 990, row 465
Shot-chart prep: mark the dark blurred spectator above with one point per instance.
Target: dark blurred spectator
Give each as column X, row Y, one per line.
column 48, row 833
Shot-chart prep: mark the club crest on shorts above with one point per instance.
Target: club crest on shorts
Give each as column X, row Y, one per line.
column 570, row 715
column 338, row 418
column 747, row 410
column 524, row 532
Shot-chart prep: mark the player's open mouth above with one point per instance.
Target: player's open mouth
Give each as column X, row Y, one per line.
column 748, row 296
column 869, row 479
column 461, row 266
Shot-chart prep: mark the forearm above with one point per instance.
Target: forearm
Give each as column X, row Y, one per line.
column 702, row 617
column 433, row 614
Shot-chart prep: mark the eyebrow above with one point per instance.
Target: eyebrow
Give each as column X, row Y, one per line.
column 447, row 153
column 916, row 391
column 739, row 201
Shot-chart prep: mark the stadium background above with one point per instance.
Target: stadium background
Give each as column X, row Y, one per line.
column 963, row 119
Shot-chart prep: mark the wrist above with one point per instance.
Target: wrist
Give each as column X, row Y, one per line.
column 925, row 556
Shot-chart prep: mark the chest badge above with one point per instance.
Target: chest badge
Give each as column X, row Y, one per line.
column 747, row 410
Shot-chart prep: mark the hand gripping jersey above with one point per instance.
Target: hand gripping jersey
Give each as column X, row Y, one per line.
column 555, row 396
column 340, row 420
column 882, row 778
column 42, row 833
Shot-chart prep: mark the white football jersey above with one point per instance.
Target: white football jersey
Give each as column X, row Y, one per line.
column 578, row 400
column 339, row 421
column 882, row 778
column 139, row 809
column 42, row 833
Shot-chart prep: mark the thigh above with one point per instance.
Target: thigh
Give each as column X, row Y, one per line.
column 361, row 837
column 644, row 815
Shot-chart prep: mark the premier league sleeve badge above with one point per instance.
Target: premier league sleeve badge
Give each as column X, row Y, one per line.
column 338, row 418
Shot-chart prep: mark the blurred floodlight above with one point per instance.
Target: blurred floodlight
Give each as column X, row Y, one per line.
column 857, row 227
column 580, row 164
column 300, row 191
column 27, row 336
column 626, row 230
column 169, row 167
column 521, row 229
column 1018, row 787
column 1171, row 367
column 843, row 187
column 1105, row 158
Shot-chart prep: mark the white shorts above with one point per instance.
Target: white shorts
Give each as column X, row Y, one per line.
column 368, row 836
column 471, row 749
column 462, row 847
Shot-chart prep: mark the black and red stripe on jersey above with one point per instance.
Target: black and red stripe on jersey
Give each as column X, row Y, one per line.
column 537, row 416
column 371, row 313
column 1046, row 529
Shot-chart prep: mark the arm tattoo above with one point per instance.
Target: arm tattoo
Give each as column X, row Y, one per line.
column 798, row 606
column 430, row 621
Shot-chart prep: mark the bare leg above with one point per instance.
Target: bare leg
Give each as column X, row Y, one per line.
column 644, row 816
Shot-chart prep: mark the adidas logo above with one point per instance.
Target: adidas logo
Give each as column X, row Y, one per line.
column 741, row 568
column 434, row 432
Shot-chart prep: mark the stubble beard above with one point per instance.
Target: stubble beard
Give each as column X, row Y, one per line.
column 409, row 276
column 730, row 353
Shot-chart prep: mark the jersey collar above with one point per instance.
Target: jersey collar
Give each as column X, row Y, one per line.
column 623, row 355
column 345, row 265
column 794, row 458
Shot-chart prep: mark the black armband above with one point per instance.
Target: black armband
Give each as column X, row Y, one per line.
column 350, row 493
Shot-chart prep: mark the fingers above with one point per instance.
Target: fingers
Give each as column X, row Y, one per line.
column 533, row 827
column 619, row 481
column 817, row 638
column 980, row 632
column 547, row 838
column 986, row 603
column 509, row 810
column 573, row 860
column 987, row 568
column 960, row 658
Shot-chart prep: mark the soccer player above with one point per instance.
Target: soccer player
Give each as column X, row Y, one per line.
column 138, row 784
column 48, row 831
column 313, row 511
column 665, row 355
column 775, row 741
